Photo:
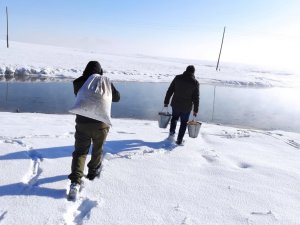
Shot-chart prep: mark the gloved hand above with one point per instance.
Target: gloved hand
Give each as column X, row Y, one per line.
column 194, row 114
column 166, row 105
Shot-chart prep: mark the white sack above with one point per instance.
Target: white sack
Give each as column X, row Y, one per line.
column 94, row 99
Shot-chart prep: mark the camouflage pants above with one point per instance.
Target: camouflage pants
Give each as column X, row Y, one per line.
column 85, row 135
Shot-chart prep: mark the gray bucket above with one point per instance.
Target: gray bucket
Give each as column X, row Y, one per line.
column 163, row 119
column 194, row 128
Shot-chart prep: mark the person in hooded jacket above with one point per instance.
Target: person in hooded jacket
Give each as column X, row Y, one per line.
column 88, row 131
column 185, row 91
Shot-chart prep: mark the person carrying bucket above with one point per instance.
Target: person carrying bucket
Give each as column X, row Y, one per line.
column 185, row 91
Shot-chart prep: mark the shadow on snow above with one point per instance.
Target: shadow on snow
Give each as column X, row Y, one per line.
column 27, row 190
column 113, row 147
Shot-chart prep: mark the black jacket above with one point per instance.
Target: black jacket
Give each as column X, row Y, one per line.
column 185, row 91
column 77, row 84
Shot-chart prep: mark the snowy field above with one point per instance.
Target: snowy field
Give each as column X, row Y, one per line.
column 227, row 176
column 30, row 62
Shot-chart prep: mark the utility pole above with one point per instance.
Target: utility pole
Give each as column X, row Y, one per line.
column 7, row 27
column 213, row 110
column 221, row 49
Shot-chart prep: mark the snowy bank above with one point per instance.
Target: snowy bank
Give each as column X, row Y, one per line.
column 225, row 176
column 31, row 62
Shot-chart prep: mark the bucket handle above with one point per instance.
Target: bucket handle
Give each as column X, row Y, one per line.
column 194, row 119
column 167, row 109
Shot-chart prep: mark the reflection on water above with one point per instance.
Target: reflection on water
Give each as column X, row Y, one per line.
column 271, row 108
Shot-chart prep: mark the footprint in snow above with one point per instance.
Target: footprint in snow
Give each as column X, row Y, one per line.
column 2, row 216
column 181, row 212
column 237, row 134
column 210, row 156
column 262, row 218
column 244, row 165
column 84, row 210
column 185, row 221
column 294, row 144
column 79, row 211
column 31, row 179
column 123, row 132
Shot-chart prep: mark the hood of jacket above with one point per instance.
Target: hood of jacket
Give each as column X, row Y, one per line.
column 93, row 67
column 188, row 74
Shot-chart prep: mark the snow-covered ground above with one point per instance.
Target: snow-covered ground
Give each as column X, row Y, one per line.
column 226, row 176
column 31, row 62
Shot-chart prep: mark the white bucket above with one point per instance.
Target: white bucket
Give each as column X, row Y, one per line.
column 164, row 119
column 194, row 128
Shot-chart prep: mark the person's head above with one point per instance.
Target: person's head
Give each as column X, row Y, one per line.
column 93, row 67
column 190, row 70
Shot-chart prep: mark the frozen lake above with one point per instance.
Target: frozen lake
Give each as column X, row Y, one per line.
column 264, row 108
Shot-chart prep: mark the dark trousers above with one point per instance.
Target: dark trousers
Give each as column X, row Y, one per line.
column 184, row 117
column 85, row 134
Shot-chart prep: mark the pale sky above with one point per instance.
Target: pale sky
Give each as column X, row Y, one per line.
column 263, row 32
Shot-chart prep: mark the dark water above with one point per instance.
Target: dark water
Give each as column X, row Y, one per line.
column 270, row 108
